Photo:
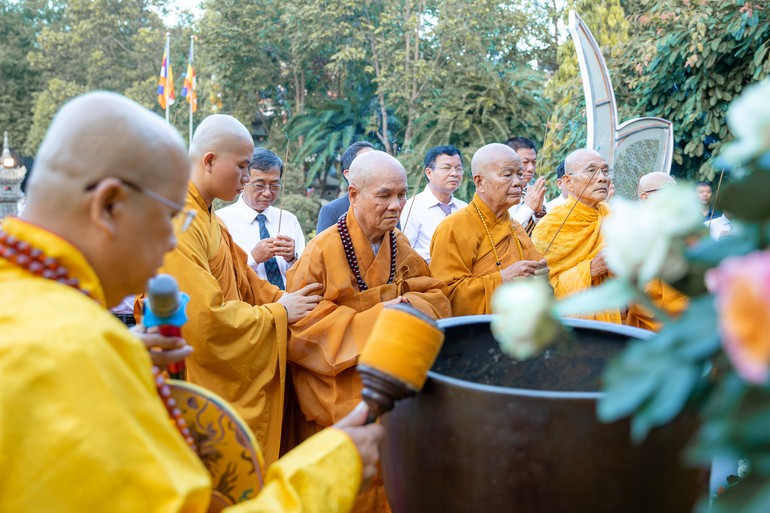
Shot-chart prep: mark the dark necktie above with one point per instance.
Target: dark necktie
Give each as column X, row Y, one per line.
column 446, row 209
column 271, row 266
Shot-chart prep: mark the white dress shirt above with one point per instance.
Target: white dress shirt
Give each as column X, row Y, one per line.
column 424, row 219
column 558, row 200
column 241, row 222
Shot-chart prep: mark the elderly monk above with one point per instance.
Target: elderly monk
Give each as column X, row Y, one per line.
column 364, row 264
column 479, row 247
column 82, row 427
column 238, row 322
column 662, row 295
column 574, row 255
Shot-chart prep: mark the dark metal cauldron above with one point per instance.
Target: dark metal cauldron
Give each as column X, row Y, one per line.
column 463, row 447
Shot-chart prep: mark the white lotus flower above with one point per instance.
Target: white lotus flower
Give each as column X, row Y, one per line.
column 749, row 120
column 643, row 239
column 524, row 324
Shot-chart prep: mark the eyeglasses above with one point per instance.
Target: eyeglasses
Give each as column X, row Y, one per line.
column 604, row 170
column 446, row 169
column 181, row 220
column 261, row 187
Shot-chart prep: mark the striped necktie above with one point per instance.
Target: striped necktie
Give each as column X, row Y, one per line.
column 271, row 266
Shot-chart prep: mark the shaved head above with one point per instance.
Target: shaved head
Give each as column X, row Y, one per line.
column 108, row 178
column 377, row 193
column 575, row 161
column 487, row 158
column 220, row 153
column 651, row 182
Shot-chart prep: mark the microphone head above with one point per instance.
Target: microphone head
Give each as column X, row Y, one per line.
column 163, row 296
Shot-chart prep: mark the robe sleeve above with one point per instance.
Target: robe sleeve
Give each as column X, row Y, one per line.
column 452, row 254
column 322, row 475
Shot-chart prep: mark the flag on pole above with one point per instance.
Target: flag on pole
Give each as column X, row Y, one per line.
column 166, row 80
column 189, row 87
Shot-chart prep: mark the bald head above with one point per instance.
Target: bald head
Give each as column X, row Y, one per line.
column 99, row 135
column 373, row 167
column 218, row 133
column 651, row 182
column 108, row 178
column 576, row 161
column 377, row 193
column 488, row 158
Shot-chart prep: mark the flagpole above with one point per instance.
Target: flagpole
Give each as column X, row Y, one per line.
column 192, row 90
column 168, row 65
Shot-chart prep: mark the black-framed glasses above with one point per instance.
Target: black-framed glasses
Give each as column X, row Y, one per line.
column 181, row 220
column 261, row 187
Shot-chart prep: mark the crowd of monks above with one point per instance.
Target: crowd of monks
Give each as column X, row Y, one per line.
column 86, row 428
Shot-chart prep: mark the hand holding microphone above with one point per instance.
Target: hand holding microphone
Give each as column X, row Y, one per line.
column 164, row 312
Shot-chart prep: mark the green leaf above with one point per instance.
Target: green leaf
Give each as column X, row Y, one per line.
column 712, row 252
column 668, row 402
column 747, row 198
column 615, row 293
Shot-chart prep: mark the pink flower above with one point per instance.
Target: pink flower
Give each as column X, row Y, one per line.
column 742, row 289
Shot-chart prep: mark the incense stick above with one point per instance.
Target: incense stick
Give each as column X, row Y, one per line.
column 416, row 191
column 571, row 209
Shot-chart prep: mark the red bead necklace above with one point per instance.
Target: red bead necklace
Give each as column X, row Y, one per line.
column 34, row 260
column 350, row 253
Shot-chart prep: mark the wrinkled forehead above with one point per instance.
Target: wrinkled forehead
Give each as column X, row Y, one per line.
column 593, row 160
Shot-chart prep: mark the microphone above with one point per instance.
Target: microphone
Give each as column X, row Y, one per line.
column 165, row 309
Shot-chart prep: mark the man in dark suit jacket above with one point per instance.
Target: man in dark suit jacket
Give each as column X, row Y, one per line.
column 332, row 211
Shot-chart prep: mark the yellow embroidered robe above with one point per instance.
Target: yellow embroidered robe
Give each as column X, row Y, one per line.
column 237, row 329
column 569, row 257
column 462, row 256
column 82, row 427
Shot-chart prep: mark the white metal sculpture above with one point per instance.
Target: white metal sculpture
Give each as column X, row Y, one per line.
column 632, row 149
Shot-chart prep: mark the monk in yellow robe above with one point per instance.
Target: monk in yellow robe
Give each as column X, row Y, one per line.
column 237, row 321
column 479, row 247
column 661, row 294
column 364, row 264
column 573, row 250
column 82, row 427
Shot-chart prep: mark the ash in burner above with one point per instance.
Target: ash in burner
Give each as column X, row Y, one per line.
column 573, row 364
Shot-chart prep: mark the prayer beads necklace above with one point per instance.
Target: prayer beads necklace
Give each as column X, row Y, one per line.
column 498, row 263
column 350, row 253
column 34, row 260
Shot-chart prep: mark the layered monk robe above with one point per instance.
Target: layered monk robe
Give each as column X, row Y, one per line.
column 479, row 247
column 464, row 259
column 238, row 322
column 236, row 326
column 325, row 345
column 574, row 255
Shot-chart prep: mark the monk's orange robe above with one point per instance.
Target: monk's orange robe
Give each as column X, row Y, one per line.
column 325, row 345
column 570, row 254
column 664, row 297
column 461, row 255
column 237, row 329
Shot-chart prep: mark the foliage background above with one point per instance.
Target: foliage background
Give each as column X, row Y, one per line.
column 405, row 75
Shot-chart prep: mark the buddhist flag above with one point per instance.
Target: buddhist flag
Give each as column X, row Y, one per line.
column 166, row 80
column 188, row 89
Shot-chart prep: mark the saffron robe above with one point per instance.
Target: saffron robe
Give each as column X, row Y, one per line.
column 462, row 256
column 236, row 327
column 570, row 254
column 664, row 297
column 82, row 427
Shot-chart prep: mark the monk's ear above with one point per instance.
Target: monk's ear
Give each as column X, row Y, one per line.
column 107, row 204
column 353, row 194
column 567, row 181
column 208, row 160
column 477, row 180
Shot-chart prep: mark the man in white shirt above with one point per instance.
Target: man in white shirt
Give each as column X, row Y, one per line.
column 443, row 166
column 530, row 209
column 254, row 223
column 563, row 191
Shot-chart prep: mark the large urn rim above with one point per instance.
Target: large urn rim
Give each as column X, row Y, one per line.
column 584, row 324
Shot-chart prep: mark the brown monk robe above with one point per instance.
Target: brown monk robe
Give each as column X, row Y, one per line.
column 479, row 247
column 574, row 255
column 325, row 345
column 237, row 321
